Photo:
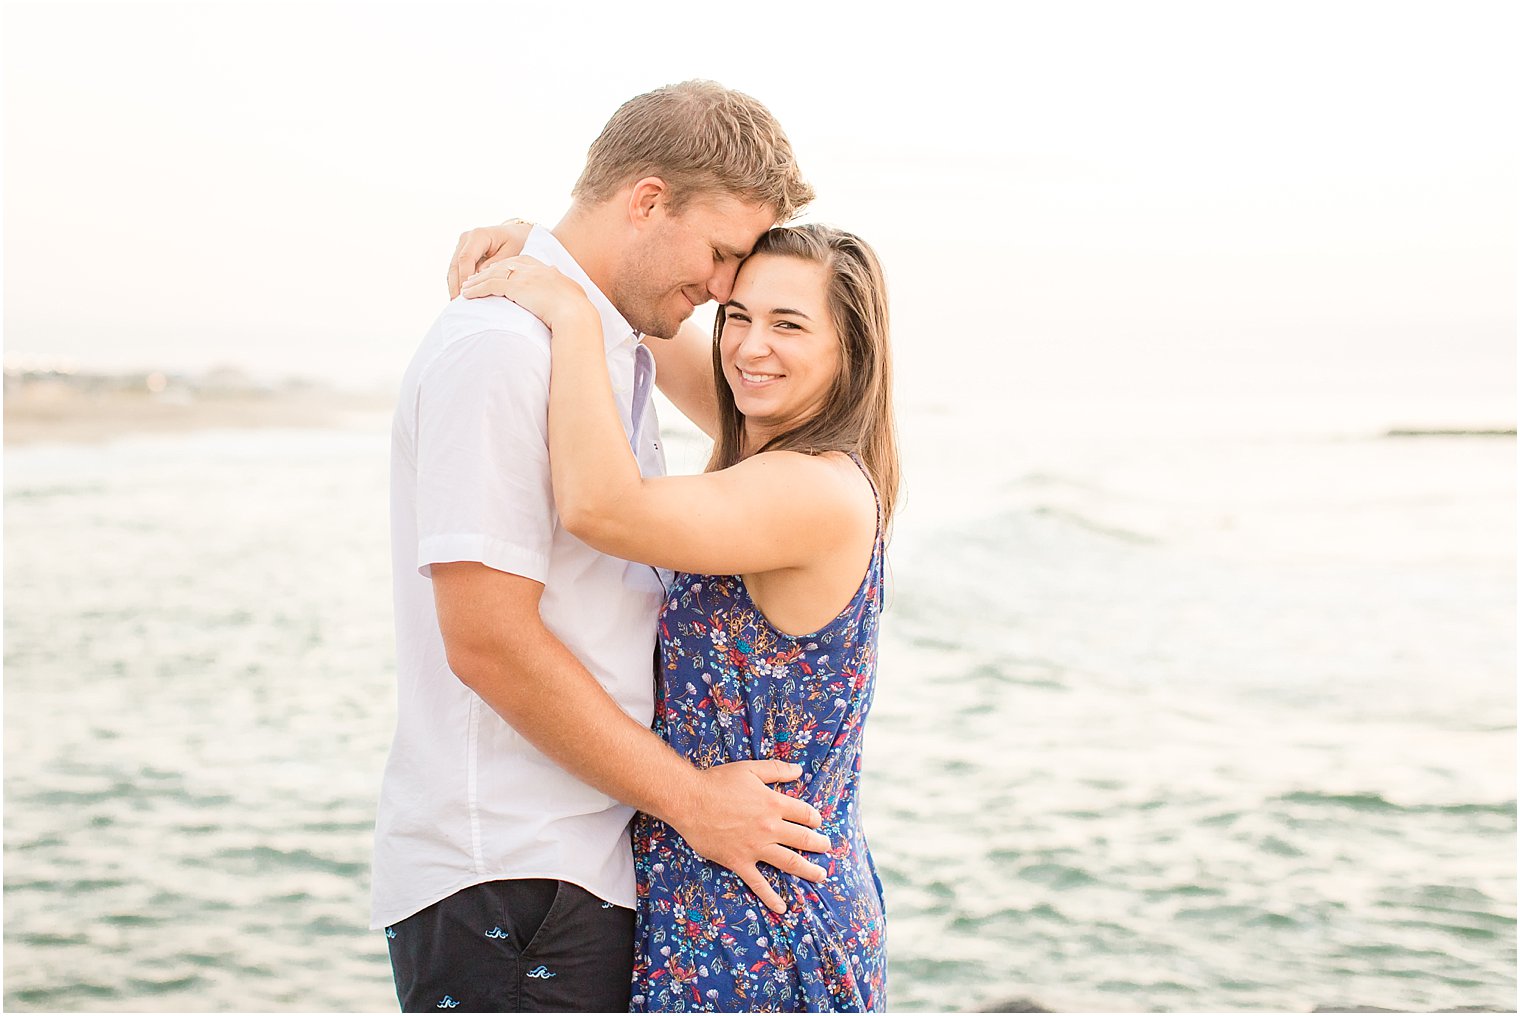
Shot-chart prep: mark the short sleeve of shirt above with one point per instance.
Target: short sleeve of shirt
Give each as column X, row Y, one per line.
column 483, row 486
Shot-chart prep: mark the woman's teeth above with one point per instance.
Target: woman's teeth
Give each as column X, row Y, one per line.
column 746, row 375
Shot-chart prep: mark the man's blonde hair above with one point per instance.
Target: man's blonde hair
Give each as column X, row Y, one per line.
column 700, row 138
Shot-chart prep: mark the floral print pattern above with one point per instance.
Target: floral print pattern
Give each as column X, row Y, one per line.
column 732, row 687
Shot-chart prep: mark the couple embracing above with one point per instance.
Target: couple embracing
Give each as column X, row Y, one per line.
column 538, row 846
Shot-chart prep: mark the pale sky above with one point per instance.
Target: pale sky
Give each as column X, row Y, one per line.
column 279, row 185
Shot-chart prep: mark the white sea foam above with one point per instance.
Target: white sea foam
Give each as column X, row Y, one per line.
column 1188, row 722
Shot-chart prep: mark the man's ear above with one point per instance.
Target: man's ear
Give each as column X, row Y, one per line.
column 649, row 199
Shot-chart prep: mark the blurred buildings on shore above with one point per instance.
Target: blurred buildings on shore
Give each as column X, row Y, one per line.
column 62, row 401
column 31, row 378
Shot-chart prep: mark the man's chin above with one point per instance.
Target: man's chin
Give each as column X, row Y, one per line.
column 662, row 329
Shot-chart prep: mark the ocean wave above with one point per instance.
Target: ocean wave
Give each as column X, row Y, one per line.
column 1373, row 802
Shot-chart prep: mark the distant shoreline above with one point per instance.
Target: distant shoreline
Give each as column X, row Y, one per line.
column 54, row 406
column 38, row 413
column 1450, row 432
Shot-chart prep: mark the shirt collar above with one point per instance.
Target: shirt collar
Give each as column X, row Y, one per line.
column 545, row 246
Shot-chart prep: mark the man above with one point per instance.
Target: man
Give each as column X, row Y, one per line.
column 502, row 871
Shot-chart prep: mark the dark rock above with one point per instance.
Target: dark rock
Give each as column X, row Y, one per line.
column 1373, row 1008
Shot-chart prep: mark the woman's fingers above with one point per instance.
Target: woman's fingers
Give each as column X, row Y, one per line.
column 495, row 272
column 761, row 888
column 491, row 281
column 478, row 248
column 454, row 277
column 494, row 259
column 502, row 268
column 524, row 279
column 472, row 247
column 484, row 287
column 540, row 289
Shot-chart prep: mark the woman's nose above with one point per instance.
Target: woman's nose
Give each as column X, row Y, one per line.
column 753, row 346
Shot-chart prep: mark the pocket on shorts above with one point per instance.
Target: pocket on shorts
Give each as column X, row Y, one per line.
column 555, row 912
column 580, row 922
column 561, row 915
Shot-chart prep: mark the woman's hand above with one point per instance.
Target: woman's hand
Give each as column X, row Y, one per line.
column 536, row 287
column 485, row 246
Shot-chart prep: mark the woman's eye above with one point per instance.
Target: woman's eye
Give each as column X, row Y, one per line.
column 735, row 316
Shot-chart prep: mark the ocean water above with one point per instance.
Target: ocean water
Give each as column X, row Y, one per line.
column 1222, row 719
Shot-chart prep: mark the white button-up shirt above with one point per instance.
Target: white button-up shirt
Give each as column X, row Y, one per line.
column 465, row 798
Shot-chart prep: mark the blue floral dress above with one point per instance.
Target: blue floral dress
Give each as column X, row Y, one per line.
column 732, row 687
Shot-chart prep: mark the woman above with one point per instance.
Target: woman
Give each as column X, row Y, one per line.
column 768, row 632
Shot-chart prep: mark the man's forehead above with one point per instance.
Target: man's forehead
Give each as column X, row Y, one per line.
column 734, row 223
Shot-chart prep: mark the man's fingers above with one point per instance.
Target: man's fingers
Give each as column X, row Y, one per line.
column 802, row 813
column 761, row 888
column 767, row 770
column 773, row 770
column 802, row 838
column 792, row 863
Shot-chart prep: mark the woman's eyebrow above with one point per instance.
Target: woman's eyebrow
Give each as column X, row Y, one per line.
column 736, row 305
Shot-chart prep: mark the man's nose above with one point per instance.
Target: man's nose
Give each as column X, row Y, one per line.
column 721, row 283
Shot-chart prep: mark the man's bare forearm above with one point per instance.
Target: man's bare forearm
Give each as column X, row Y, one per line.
column 548, row 696
column 498, row 645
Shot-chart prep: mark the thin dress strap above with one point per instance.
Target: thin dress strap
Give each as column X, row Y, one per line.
column 876, row 549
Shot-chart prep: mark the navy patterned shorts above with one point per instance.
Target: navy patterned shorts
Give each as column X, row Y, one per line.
column 519, row 945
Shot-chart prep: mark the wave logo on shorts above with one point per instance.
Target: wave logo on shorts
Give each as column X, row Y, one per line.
column 606, row 906
column 496, row 932
column 541, row 972
column 448, row 1002
column 390, row 932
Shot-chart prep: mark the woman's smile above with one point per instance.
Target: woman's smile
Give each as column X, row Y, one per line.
column 757, row 380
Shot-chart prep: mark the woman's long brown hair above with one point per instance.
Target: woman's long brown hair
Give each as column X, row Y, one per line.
column 857, row 412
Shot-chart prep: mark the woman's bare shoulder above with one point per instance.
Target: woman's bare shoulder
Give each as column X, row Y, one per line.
column 834, row 483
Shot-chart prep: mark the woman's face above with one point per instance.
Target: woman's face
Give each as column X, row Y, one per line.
column 780, row 351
